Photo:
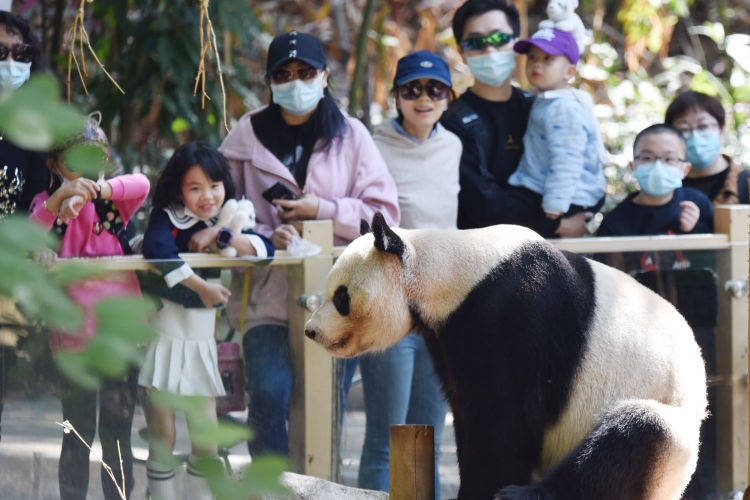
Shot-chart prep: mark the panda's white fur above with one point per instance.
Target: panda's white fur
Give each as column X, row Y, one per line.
column 639, row 364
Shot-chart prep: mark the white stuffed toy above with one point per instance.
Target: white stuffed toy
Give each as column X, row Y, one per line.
column 562, row 16
column 237, row 216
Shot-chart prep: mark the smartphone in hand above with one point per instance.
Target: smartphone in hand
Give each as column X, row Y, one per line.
column 279, row 191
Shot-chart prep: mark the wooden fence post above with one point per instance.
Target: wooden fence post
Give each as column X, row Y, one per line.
column 731, row 412
column 314, row 394
column 412, row 462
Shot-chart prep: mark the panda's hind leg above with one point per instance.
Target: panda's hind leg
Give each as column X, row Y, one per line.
column 640, row 449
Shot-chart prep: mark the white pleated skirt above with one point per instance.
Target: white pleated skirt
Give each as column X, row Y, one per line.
column 183, row 359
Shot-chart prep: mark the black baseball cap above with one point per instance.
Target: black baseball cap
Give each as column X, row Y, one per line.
column 295, row 45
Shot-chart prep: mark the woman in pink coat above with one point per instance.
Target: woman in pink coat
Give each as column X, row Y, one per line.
column 329, row 162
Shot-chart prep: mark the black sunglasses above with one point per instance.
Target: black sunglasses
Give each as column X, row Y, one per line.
column 412, row 90
column 284, row 75
column 21, row 52
column 496, row 39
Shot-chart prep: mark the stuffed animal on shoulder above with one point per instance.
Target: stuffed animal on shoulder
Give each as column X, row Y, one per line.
column 237, row 216
column 562, row 16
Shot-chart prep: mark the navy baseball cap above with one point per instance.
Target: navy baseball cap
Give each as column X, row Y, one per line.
column 422, row 64
column 295, row 45
column 552, row 41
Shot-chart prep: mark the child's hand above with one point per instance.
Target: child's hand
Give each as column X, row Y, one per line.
column 70, row 208
column 282, row 236
column 305, row 208
column 85, row 188
column 213, row 294
column 203, row 239
column 689, row 214
column 574, row 226
column 553, row 214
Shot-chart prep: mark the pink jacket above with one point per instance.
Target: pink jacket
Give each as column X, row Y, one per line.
column 351, row 180
column 83, row 238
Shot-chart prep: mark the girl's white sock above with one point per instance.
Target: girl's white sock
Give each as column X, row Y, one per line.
column 196, row 487
column 161, row 481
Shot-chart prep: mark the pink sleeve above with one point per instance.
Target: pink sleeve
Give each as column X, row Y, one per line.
column 39, row 212
column 128, row 193
column 373, row 189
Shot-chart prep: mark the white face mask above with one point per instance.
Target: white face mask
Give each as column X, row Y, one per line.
column 13, row 74
column 492, row 68
column 299, row 97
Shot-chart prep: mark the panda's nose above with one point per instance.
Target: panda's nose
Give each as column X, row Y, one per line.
column 311, row 334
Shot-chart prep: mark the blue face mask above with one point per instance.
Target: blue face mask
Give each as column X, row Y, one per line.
column 703, row 148
column 657, row 178
column 492, row 68
column 298, row 97
column 13, row 74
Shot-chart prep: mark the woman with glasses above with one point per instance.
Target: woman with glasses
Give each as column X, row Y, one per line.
column 400, row 384
column 298, row 158
column 700, row 119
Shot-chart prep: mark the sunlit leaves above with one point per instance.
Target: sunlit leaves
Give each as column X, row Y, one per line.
column 34, row 117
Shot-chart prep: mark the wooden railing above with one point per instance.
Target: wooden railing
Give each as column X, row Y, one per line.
column 314, row 407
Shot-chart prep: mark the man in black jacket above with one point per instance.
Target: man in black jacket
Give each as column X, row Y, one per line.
column 490, row 118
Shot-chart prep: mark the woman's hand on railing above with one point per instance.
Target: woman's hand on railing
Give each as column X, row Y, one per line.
column 282, row 236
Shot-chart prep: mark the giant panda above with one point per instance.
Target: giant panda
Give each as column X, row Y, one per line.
column 566, row 378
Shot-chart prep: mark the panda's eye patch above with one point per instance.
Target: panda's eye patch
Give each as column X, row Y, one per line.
column 341, row 300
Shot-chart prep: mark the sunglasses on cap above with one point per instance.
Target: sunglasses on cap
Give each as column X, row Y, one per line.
column 496, row 39
column 411, row 91
column 283, row 75
column 21, row 52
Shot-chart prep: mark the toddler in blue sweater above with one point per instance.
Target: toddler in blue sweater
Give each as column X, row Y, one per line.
column 561, row 167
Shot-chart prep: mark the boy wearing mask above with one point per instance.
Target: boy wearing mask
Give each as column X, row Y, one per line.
column 662, row 206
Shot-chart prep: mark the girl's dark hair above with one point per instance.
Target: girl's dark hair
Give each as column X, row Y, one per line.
column 694, row 100
column 16, row 25
column 169, row 186
column 400, row 117
column 659, row 128
column 476, row 7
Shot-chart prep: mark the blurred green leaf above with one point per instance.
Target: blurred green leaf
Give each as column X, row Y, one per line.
column 20, row 236
column 75, row 367
column 263, row 476
column 34, row 117
column 71, row 272
column 86, row 158
column 205, row 433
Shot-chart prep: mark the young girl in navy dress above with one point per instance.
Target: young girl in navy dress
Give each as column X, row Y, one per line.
column 188, row 197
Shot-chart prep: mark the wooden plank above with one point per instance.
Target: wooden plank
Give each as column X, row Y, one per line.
column 731, row 411
column 311, row 410
column 412, row 462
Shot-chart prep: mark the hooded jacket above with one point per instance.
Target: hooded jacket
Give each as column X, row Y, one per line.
column 350, row 179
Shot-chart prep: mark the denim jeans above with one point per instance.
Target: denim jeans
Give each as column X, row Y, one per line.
column 268, row 368
column 400, row 387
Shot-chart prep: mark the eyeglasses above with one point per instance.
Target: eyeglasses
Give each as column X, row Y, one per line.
column 701, row 128
column 284, row 75
column 496, row 39
column 21, row 52
column 411, row 91
column 669, row 160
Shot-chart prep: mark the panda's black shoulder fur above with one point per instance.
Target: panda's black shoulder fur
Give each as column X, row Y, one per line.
column 507, row 357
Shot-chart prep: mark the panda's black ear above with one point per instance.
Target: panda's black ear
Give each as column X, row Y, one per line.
column 364, row 227
column 385, row 239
